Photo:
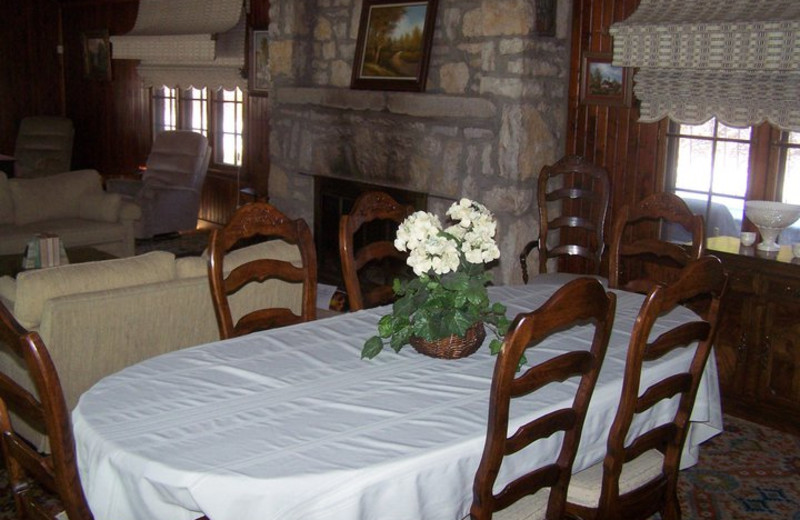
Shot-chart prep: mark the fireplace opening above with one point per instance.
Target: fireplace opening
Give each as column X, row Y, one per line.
column 335, row 197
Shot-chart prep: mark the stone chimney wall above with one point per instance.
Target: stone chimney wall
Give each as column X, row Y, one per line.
column 493, row 113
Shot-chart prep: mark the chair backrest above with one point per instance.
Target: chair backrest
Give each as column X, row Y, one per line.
column 44, row 407
column 640, row 263
column 178, row 158
column 252, row 222
column 43, row 146
column 573, row 199
column 369, row 207
column 579, row 301
column 702, row 283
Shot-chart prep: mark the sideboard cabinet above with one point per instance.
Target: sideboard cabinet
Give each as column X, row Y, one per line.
column 758, row 346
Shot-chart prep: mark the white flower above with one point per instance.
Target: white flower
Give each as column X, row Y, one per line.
column 432, row 249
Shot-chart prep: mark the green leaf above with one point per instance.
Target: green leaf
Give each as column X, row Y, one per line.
column 400, row 339
column 495, row 346
column 404, row 306
column 455, row 281
column 372, row 347
column 386, row 326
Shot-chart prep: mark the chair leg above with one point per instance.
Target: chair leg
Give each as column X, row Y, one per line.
column 672, row 507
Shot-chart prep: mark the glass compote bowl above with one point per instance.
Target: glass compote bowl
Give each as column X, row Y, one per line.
column 771, row 218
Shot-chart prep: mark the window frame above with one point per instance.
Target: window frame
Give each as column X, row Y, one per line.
column 767, row 156
column 214, row 106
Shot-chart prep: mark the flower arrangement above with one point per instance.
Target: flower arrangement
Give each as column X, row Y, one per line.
column 448, row 294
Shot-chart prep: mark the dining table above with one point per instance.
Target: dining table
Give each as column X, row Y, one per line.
column 292, row 424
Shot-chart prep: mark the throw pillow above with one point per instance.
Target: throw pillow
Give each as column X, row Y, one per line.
column 101, row 206
column 52, row 197
column 6, row 203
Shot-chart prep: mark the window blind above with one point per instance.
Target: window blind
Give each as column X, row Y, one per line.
column 185, row 43
column 737, row 60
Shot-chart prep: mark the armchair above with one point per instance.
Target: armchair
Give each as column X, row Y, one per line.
column 169, row 191
column 43, row 146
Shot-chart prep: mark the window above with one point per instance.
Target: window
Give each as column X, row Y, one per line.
column 219, row 116
column 715, row 168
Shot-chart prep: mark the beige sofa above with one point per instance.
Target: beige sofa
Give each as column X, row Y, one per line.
column 100, row 317
column 72, row 205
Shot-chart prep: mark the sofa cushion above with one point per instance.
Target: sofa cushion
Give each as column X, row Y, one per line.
column 6, row 203
column 35, row 288
column 100, row 206
column 52, row 197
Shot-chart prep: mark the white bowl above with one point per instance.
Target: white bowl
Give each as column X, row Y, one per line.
column 770, row 218
column 748, row 238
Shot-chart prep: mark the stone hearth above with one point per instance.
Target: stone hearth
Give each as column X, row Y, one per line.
column 493, row 113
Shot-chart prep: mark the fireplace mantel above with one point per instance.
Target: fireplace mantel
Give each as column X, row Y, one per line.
column 378, row 184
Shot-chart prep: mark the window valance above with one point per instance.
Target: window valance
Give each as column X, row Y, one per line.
column 738, row 60
column 185, row 43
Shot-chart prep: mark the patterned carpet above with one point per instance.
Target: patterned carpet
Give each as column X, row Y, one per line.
column 748, row 472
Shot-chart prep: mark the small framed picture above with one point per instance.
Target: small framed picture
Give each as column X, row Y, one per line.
column 603, row 83
column 393, row 49
column 259, row 61
column 96, row 55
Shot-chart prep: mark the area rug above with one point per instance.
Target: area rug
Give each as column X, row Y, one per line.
column 749, row 472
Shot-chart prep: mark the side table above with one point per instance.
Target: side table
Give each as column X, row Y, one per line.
column 11, row 265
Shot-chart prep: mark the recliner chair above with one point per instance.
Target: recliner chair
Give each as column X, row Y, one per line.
column 169, row 191
column 43, row 146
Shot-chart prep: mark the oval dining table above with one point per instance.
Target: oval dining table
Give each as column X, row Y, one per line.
column 290, row 423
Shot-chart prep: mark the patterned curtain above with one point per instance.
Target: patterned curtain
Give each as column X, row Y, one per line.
column 737, row 60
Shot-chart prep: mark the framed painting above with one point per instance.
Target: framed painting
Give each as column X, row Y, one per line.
column 393, row 49
column 603, row 83
column 96, row 55
column 259, row 62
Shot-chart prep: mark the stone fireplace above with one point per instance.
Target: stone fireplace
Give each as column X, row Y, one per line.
column 493, row 113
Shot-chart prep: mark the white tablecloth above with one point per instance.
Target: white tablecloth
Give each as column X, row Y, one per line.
column 291, row 424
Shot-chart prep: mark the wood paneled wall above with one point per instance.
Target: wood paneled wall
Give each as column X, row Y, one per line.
column 31, row 78
column 112, row 118
column 632, row 152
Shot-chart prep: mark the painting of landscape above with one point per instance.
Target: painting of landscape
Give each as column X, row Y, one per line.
column 393, row 41
column 603, row 83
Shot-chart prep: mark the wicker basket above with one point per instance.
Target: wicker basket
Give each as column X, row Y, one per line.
column 451, row 347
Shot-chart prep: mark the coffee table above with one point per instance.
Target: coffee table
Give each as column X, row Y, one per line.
column 12, row 264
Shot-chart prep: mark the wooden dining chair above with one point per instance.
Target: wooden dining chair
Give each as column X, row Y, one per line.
column 637, row 262
column 255, row 221
column 44, row 485
column 573, row 199
column 639, row 476
column 357, row 251
column 577, row 302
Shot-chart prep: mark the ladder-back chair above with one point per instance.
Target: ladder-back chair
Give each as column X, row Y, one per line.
column 369, row 207
column 639, row 263
column 44, row 485
column 577, row 302
column 639, row 476
column 261, row 220
column 573, row 199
